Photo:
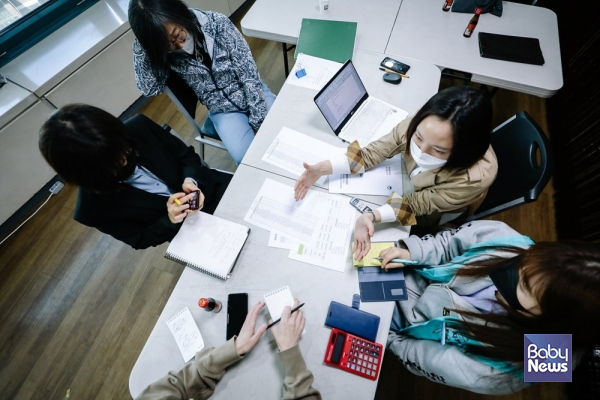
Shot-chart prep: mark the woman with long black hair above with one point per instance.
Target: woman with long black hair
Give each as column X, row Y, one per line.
column 477, row 291
column 207, row 51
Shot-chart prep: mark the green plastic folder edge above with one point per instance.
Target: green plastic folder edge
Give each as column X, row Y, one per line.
column 331, row 40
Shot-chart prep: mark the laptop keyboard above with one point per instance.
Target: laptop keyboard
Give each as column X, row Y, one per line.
column 366, row 122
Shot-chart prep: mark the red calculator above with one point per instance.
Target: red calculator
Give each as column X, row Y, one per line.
column 353, row 354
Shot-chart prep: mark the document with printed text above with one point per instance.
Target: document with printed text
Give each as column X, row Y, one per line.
column 318, row 71
column 291, row 149
column 381, row 180
column 320, row 226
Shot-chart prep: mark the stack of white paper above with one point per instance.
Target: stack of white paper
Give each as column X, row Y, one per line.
column 317, row 229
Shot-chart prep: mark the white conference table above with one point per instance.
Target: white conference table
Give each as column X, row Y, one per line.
column 280, row 20
column 421, row 30
column 425, row 32
column 296, row 109
column 259, row 270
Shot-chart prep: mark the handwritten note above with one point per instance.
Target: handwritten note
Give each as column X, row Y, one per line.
column 186, row 334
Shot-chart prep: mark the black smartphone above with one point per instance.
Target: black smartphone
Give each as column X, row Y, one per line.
column 194, row 203
column 395, row 65
column 237, row 309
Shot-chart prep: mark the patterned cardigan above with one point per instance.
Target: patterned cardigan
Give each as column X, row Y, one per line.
column 231, row 84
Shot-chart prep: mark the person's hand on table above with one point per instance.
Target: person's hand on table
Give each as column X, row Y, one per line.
column 307, row 179
column 288, row 331
column 391, row 253
column 249, row 335
column 177, row 206
column 363, row 231
column 311, row 174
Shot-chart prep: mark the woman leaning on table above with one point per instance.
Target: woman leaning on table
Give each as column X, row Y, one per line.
column 446, row 148
column 206, row 50
column 484, row 286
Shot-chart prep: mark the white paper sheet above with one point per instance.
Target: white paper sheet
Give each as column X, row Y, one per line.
column 279, row 241
column 318, row 71
column 186, row 334
column 322, row 222
column 275, row 209
column 381, row 180
column 291, row 148
column 333, row 244
column 276, row 301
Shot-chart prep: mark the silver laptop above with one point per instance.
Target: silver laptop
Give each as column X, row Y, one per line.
column 351, row 112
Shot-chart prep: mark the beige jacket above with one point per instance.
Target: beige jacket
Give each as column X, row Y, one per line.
column 197, row 379
column 436, row 191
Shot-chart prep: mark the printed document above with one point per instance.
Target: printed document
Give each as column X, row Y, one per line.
column 277, row 240
column 318, row 71
column 275, row 209
column 380, row 180
column 291, row 149
column 331, row 250
column 320, row 225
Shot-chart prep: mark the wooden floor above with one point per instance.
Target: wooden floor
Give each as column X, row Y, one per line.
column 77, row 306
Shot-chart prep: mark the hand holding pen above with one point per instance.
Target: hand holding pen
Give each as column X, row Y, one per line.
column 288, row 329
column 177, row 206
column 395, row 257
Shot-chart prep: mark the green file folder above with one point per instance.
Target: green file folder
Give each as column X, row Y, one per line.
column 332, row 40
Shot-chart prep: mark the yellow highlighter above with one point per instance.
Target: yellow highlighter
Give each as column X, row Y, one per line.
column 177, row 202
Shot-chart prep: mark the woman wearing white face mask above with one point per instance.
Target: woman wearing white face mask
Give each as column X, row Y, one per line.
column 446, row 148
column 207, row 51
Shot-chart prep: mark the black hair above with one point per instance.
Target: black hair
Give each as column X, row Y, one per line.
column 469, row 111
column 86, row 146
column 148, row 18
column 562, row 276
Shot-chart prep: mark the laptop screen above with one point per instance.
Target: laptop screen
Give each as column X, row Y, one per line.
column 341, row 96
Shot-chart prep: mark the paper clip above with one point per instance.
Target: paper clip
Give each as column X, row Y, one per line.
column 300, row 71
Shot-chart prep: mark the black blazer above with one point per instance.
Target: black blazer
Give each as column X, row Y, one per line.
column 137, row 217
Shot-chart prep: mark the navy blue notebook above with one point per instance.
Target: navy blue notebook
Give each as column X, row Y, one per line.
column 377, row 285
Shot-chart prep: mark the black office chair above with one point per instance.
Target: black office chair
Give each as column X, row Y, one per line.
column 521, row 178
column 186, row 101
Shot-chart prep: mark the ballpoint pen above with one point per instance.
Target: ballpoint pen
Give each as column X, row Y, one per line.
column 400, row 260
column 394, row 72
column 279, row 319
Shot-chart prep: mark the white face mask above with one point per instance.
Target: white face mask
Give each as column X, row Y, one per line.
column 188, row 45
column 423, row 160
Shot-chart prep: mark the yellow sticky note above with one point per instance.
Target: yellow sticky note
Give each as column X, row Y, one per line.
column 370, row 259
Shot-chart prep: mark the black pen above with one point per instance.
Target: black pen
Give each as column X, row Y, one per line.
column 293, row 309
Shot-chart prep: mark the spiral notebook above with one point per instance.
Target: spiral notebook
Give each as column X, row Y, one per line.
column 208, row 244
column 277, row 300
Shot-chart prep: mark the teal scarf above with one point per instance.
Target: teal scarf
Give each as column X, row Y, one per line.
column 446, row 330
column 445, row 272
